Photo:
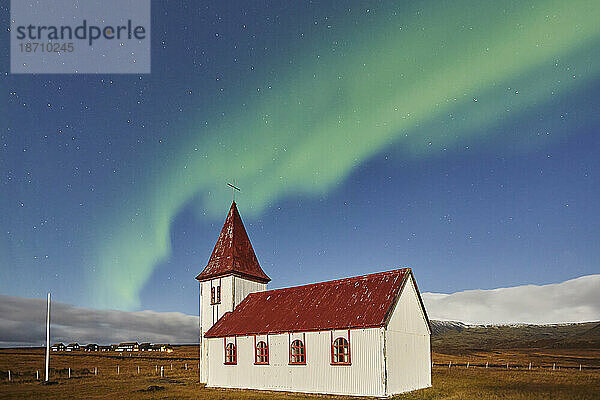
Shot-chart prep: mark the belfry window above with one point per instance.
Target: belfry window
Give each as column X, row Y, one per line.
column 215, row 294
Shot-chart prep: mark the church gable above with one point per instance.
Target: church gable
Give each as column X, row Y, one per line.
column 358, row 302
column 409, row 314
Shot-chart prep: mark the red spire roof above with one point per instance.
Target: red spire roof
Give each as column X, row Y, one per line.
column 233, row 253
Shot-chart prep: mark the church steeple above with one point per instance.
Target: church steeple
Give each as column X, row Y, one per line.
column 232, row 273
column 233, row 253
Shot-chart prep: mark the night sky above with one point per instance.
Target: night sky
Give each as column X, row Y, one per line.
column 459, row 138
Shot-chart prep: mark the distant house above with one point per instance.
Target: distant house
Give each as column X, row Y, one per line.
column 145, row 347
column 163, row 347
column 72, row 347
column 128, row 346
column 105, row 348
column 58, row 347
column 91, row 347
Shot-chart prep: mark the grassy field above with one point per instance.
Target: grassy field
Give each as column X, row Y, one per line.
column 456, row 382
column 539, row 358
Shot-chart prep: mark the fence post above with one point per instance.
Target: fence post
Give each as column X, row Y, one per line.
column 95, row 370
column 553, row 366
column 118, row 370
column 449, row 364
column 506, row 365
column 9, row 375
column 156, row 367
column 486, row 364
column 69, row 372
column 162, row 372
column 467, row 364
column 37, row 374
column 580, row 367
column 171, row 366
column 186, row 366
column 138, row 369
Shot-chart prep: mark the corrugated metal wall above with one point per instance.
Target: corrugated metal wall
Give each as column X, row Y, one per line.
column 243, row 287
column 407, row 345
column 363, row 377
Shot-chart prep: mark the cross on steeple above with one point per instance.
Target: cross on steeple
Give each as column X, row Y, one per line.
column 233, row 189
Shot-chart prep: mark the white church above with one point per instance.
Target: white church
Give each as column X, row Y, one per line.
column 362, row 336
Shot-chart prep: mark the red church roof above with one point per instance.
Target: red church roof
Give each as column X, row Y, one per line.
column 359, row 302
column 233, row 253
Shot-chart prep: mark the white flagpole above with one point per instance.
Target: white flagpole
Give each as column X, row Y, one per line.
column 48, row 338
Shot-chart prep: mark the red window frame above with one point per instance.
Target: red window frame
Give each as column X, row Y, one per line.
column 340, row 350
column 230, row 351
column 261, row 352
column 297, row 351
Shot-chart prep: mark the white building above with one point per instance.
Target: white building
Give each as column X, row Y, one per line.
column 363, row 336
column 58, row 347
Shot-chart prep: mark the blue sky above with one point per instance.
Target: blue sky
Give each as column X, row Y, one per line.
column 458, row 139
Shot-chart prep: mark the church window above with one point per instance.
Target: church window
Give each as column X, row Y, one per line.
column 297, row 352
column 215, row 294
column 230, row 353
column 261, row 355
column 340, row 351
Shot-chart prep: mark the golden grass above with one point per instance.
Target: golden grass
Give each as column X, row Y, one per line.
column 480, row 383
column 538, row 357
column 453, row 383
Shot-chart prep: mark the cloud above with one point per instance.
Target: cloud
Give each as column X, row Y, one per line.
column 575, row 300
column 23, row 321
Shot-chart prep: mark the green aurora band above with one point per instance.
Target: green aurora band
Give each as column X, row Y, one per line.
column 345, row 103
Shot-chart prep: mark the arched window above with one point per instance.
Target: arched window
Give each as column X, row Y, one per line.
column 230, row 354
column 297, row 352
column 340, row 353
column 261, row 353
